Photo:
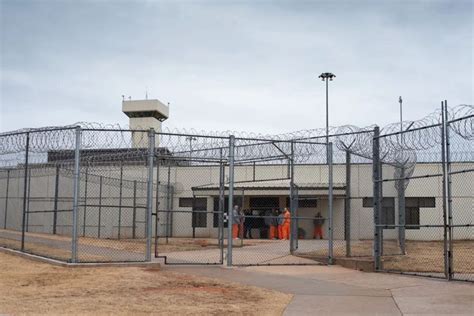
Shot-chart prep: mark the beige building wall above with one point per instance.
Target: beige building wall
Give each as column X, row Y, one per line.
column 184, row 178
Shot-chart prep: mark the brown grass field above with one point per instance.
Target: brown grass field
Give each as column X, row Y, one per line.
column 421, row 256
column 37, row 245
column 29, row 287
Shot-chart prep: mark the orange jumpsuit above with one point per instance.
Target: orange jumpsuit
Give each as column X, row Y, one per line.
column 235, row 231
column 273, row 232
column 318, row 232
column 286, row 225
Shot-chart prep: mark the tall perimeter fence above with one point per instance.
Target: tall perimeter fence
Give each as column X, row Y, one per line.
column 399, row 196
column 424, row 198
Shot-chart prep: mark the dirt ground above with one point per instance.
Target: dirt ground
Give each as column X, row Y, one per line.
column 421, row 256
column 29, row 287
column 37, row 245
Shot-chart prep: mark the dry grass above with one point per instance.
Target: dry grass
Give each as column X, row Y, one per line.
column 421, row 256
column 39, row 249
column 38, row 246
column 427, row 256
column 28, row 287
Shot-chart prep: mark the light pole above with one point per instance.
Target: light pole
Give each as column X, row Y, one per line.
column 401, row 113
column 327, row 76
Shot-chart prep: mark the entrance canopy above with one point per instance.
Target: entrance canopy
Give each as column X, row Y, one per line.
column 274, row 187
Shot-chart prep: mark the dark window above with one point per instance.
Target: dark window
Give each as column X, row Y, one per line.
column 412, row 210
column 388, row 209
column 186, row 202
column 264, row 202
column 304, row 202
column 199, row 207
column 412, row 217
column 367, row 202
column 420, row 202
column 215, row 221
column 386, row 201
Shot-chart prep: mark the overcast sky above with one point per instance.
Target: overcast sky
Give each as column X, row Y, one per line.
column 233, row 65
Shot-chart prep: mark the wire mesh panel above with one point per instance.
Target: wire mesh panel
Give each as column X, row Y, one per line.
column 424, row 211
column 461, row 198
column 281, row 188
column 12, row 208
column 36, row 209
column 411, row 213
column 112, row 209
column 88, row 194
column 190, row 210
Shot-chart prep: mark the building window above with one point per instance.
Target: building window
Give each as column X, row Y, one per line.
column 264, row 203
column 412, row 217
column 304, row 202
column 412, row 210
column 420, row 202
column 199, row 208
column 388, row 209
column 186, row 202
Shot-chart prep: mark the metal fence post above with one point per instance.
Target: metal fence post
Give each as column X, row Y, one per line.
column 347, row 205
column 25, row 187
column 157, row 202
column 75, row 205
column 149, row 195
column 28, row 201
column 445, row 196
column 330, row 205
column 292, row 198
column 221, row 206
column 56, row 196
column 134, row 212
column 6, row 200
column 85, row 204
column 377, row 198
column 168, row 203
column 100, row 208
column 401, row 211
column 231, row 200
column 120, row 200
column 449, row 192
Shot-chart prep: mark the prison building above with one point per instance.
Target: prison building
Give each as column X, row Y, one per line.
column 113, row 199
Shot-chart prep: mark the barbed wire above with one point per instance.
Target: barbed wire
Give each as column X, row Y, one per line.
column 398, row 149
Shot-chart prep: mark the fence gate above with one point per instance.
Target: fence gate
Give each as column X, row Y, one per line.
column 190, row 200
column 277, row 190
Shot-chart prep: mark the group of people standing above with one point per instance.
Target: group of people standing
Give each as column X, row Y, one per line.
column 273, row 224
column 275, row 221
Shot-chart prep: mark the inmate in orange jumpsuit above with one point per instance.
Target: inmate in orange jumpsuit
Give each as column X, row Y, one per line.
column 286, row 225
column 235, row 231
column 318, row 232
column 273, row 232
column 280, row 231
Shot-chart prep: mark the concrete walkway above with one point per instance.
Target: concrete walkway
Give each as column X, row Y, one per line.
column 323, row 290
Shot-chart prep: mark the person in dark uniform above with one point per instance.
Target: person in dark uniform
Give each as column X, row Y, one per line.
column 248, row 224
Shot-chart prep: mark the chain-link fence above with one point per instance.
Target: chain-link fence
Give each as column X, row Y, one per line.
column 423, row 199
column 95, row 194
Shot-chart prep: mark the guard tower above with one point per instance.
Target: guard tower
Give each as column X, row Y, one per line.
column 144, row 114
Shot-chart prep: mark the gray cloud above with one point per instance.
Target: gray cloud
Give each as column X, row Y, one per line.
column 234, row 65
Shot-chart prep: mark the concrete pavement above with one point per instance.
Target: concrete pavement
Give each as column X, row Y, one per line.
column 323, row 290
